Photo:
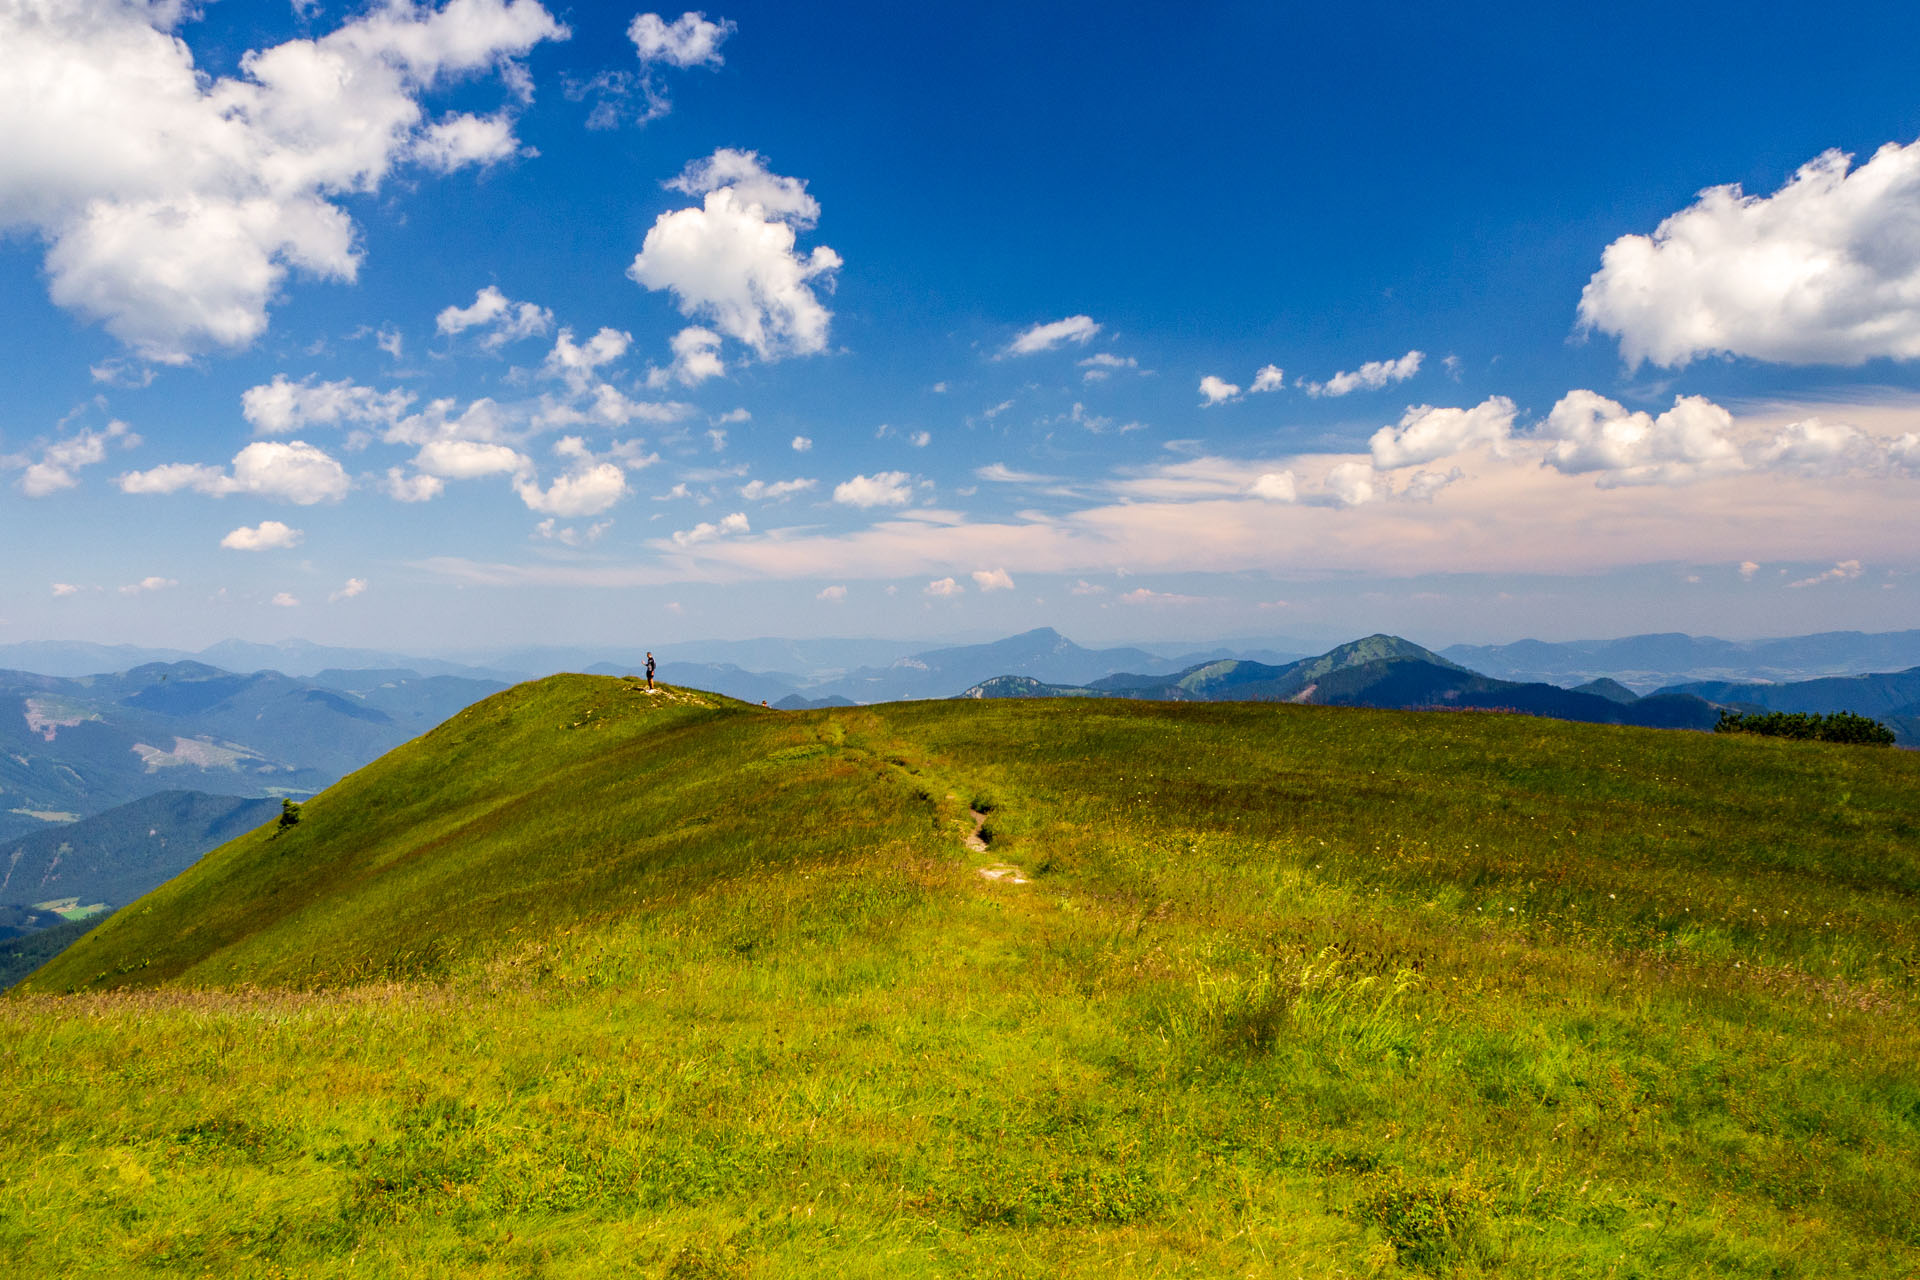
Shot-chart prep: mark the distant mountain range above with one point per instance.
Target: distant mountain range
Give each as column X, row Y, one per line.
column 74, row 747
column 867, row 670
column 288, row 657
column 1652, row 661
column 1893, row 698
column 1379, row 671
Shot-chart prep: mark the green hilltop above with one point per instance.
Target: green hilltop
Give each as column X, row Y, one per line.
column 591, row 980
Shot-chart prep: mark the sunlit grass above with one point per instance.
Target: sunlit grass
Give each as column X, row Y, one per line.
column 691, row 989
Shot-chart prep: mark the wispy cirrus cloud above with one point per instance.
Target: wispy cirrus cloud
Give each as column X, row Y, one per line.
column 1078, row 330
column 61, row 460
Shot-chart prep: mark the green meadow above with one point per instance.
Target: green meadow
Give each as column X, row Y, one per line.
column 595, row 982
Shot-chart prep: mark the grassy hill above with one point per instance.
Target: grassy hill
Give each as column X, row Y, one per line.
column 588, row 981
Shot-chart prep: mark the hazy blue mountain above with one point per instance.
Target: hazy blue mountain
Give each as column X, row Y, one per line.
column 1378, row 671
column 290, row 657
column 1232, row 679
column 809, row 661
column 1893, row 698
column 1612, row 690
column 304, row 658
column 411, row 701
column 796, row 702
column 80, row 658
column 1183, row 658
column 1028, row 687
column 71, row 747
column 116, row 856
column 1650, row 661
column 1043, row 654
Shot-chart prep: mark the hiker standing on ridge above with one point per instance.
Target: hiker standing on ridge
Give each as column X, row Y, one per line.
column 649, row 668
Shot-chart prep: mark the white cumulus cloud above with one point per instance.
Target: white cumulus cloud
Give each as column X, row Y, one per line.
column 761, row 491
column 404, row 487
column 832, row 595
column 1422, row 485
column 1269, row 378
column 294, row 472
column 268, row 535
column 154, row 583
column 944, row 587
column 1351, row 483
column 1586, row 432
column 468, row 459
column 1274, row 486
column 278, row 407
column 551, row 530
column 696, row 357
column 1370, row 376
column 173, row 203
column 286, row 600
column 1216, row 390
column 801, row 444
column 589, row 489
column 688, row 41
column 465, row 139
column 351, row 588
column 882, row 489
column 1825, row 270
column 731, row 260
column 503, row 319
column 1818, row 447
column 707, row 531
column 1426, row 433
column 992, row 580
column 578, row 363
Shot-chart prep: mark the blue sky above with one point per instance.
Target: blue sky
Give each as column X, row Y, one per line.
column 442, row 326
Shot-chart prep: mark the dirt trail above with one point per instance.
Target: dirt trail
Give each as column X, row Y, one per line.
column 1003, row 872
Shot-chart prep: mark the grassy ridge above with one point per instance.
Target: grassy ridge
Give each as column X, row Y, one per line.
column 692, row 988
